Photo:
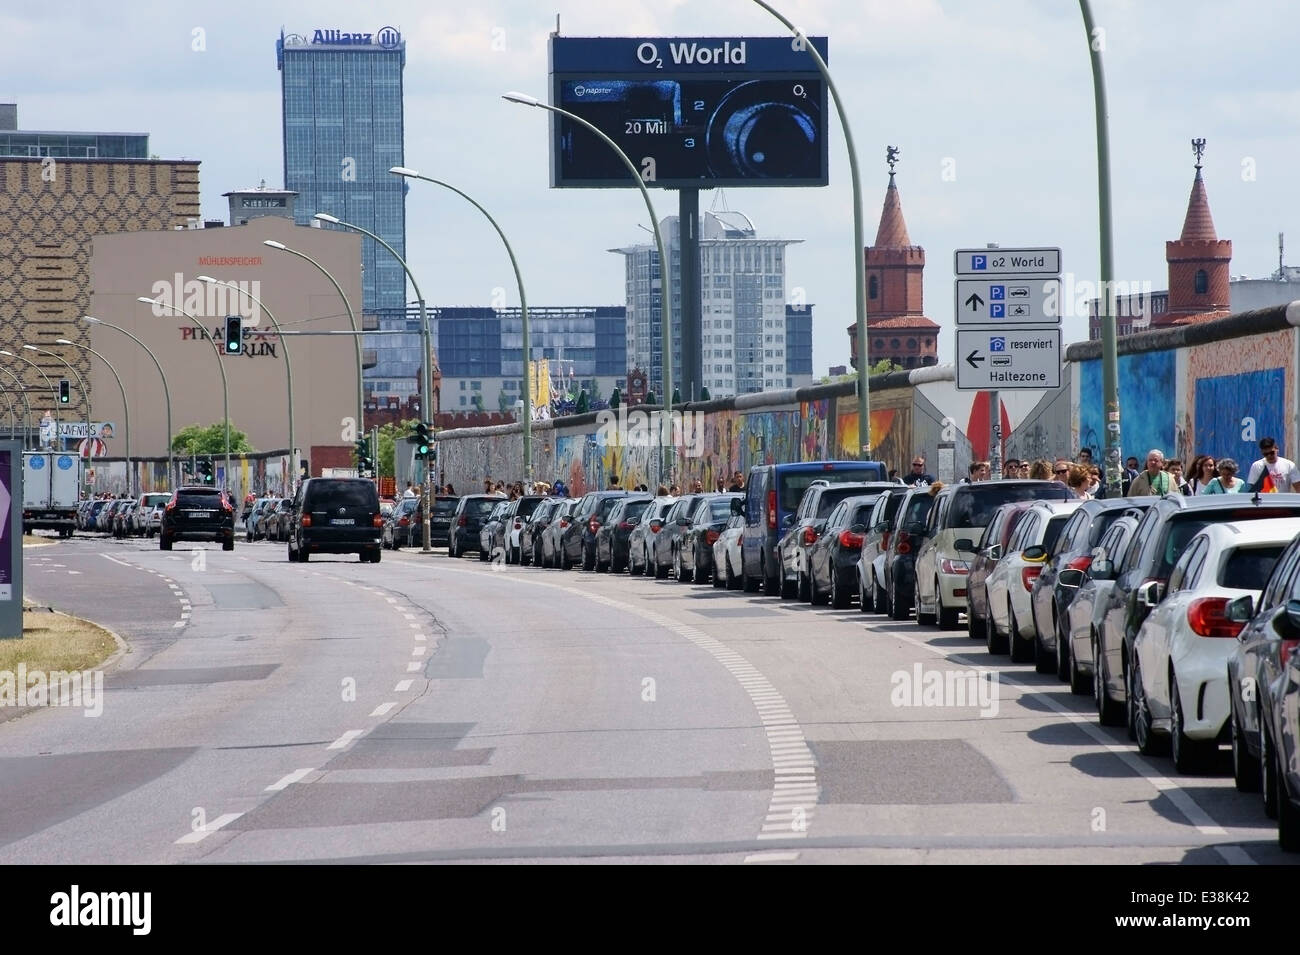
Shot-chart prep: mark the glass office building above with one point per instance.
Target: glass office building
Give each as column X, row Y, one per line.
column 343, row 129
column 60, row 145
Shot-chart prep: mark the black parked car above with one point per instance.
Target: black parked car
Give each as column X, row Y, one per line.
column 467, row 520
column 530, row 538
column 804, row 527
column 833, row 560
column 663, row 543
column 335, row 516
column 578, row 543
column 198, row 513
column 398, row 523
column 612, row 538
column 908, row 531
column 694, row 557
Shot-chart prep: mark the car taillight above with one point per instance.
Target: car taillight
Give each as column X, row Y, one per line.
column 564, row 522
column 771, row 510
column 954, row 566
column 404, row 521
column 1284, row 651
column 850, row 539
column 169, row 505
column 306, row 520
column 462, row 521
column 884, row 540
column 624, row 526
column 654, row 527
column 809, row 535
column 904, row 542
column 711, row 537
column 377, row 520
column 593, row 525
column 1080, row 563
column 519, row 525
column 1028, row 575
column 1205, row 616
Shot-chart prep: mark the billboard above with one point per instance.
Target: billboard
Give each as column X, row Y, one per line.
column 690, row 112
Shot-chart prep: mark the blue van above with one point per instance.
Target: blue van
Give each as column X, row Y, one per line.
column 772, row 496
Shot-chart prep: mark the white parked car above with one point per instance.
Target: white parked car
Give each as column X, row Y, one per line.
column 1011, row 582
column 726, row 554
column 1084, row 610
column 147, row 518
column 1179, row 666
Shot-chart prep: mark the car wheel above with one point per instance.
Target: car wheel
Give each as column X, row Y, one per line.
column 1149, row 743
column 1064, row 670
column 1269, row 766
column 840, row 598
column 684, row 574
column 1245, row 767
column 228, row 545
column 948, row 618
column 879, row 599
column 164, row 542
column 1022, row 651
column 774, row 586
column 588, row 562
column 926, row 619
column 750, row 585
column 375, row 556
column 1044, row 660
column 304, row 555
column 899, row 609
column 864, row 605
column 1109, row 713
column 1190, row 755
column 804, row 588
column 483, row 555
column 720, row 579
column 994, row 641
column 734, row 582
column 661, row 573
column 1288, row 815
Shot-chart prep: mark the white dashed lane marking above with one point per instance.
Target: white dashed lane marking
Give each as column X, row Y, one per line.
column 213, row 826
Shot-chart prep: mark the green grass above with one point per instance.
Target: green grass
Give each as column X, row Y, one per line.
column 55, row 641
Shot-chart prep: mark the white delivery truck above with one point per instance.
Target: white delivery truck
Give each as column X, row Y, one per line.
column 51, row 490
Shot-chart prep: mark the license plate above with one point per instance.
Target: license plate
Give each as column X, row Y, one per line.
column 441, row 520
column 198, row 514
column 342, row 520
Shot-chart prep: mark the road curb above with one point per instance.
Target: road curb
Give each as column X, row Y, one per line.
column 108, row 665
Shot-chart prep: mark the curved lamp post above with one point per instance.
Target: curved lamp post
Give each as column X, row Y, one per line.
column 523, row 312
column 167, row 395
column 426, row 382
column 859, row 240
column 665, row 283
column 352, row 317
column 53, row 391
column 81, row 383
column 221, row 367
column 126, row 410
column 13, row 426
column 22, row 391
column 288, row 369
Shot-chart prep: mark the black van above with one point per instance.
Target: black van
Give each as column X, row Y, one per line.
column 336, row 516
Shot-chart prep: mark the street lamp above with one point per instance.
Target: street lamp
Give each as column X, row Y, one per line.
column 665, row 284
column 80, row 382
column 167, row 395
column 859, row 239
column 352, row 317
column 221, row 367
column 288, row 369
column 12, row 421
column 126, row 410
column 52, row 389
column 426, row 383
column 22, row 391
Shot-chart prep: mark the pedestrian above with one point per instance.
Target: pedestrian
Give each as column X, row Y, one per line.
column 410, row 490
column 1078, row 480
column 1226, row 482
column 1155, row 480
column 1272, row 472
column 1130, row 473
column 449, row 489
column 1085, row 456
column 737, row 482
column 1041, row 470
column 919, row 476
column 697, row 486
column 1011, row 469
column 1061, row 471
column 1175, row 469
column 934, row 489
column 720, row 485
column 1202, row 473
column 1094, row 477
column 674, row 491
column 613, row 483
column 661, row 491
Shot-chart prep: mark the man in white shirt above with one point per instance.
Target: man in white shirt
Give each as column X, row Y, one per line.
column 1282, row 474
column 410, row 490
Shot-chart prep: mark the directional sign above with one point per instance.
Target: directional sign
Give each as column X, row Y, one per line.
column 987, row 262
column 1008, row 359
column 1023, row 300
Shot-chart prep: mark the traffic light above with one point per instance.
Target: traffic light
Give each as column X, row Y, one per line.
column 423, row 440
column 363, row 455
column 234, row 334
column 205, row 472
column 65, row 392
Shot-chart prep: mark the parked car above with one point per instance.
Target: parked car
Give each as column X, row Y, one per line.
column 818, row 501
column 335, row 516
column 640, row 543
column 1181, row 651
column 1059, row 580
column 397, row 525
column 578, row 543
column 663, row 544
column 561, row 521
column 278, row 521
column 911, row 524
column 962, row 511
column 726, row 551
column 1085, row 621
column 694, row 545
column 530, row 538
column 1286, row 730
column 254, row 515
column 467, row 520
column 1269, row 639
column 198, row 512
column 875, row 544
column 147, row 516
column 1161, row 535
column 613, row 536
column 104, row 523
column 492, row 534
column 833, row 559
column 1012, row 578
column 91, row 521
column 988, row 551
column 440, row 518
column 772, row 495
column 122, row 519
column 524, row 508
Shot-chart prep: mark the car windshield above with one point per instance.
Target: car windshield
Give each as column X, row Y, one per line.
column 341, row 494
column 1248, row 568
column 793, row 484
column 482, row 506
column 200, row 498
column 635, row 509
column 974, row 506
column 444, row 506
column 607, row 505
column 409, row 504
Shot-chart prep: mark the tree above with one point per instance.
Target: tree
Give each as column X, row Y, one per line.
column 884, row 366
column 392, row 436
column 195, row 439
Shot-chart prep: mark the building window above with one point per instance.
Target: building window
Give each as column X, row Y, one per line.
column 1202, row 282
column 879, row 343
column 873, row 287
column 911, row 343
column 893, row 343
column 462, row 387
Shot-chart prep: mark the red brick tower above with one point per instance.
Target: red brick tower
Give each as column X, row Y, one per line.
column 1199, row 262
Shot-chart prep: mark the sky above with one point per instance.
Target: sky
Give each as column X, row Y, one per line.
column 990, row 102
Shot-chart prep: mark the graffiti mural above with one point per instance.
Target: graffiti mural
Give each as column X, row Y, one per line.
column 1147, row 397
column 813, row 421
column 1234, row 411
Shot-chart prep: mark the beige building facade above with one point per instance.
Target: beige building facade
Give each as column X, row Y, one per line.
column 167, row 265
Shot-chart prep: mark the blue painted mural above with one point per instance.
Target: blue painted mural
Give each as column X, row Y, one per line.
column 1146, row 400
column 1222, row 404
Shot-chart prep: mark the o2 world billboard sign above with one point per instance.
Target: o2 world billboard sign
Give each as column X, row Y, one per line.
column 690, row 112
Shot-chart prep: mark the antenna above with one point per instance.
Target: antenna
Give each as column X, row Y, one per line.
column 1281, row 269
column 557, row 25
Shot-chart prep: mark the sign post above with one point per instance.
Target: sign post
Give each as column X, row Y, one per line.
column 11, row 540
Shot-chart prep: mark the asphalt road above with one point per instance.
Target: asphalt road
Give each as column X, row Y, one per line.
column 425, row 709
